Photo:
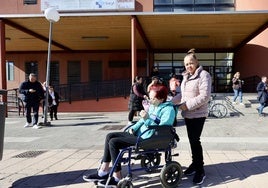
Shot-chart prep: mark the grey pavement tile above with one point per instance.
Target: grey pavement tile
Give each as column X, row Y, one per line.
column 235, row 151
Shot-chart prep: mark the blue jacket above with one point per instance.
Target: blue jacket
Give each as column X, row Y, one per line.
column 164, row 114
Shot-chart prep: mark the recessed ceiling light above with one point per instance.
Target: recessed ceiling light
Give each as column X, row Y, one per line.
column 94, row 38
column 194, row 36
column 27, row 38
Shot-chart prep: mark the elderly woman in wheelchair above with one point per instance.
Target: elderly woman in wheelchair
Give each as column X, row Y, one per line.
column 152, row 134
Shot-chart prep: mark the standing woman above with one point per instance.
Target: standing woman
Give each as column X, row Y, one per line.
column 137, row 94
column 237, row 87
column 195, row 94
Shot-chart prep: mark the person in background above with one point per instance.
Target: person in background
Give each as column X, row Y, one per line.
column 174, row 85
column 53, row 102
column 137, row 94
column 262, row 88
column 161, row 112
column 154, row 72
column 193, row 102
column 44, row 101
column 237, row 87
column 32, row 94
column 155, row 81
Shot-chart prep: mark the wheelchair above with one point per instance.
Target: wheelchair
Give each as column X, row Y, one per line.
column 149, row 151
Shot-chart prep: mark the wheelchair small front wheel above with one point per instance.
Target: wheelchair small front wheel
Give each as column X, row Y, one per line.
column 171, row 175
column 149, row 161
column 123, row 183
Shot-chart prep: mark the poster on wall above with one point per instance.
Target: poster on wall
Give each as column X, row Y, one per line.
column 89, row 5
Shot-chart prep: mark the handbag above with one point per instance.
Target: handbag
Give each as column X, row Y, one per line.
column 235, row 86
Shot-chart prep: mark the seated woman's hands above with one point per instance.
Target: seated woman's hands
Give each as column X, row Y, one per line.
column 144, row 114
column 130, row 131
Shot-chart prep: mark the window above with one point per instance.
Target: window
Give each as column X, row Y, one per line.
column 219, row 65
column 163, row 2
column 31, row 67
column 204, row 8
column 29, row 2
column 10, row 70
column 193, row 5
column 224, row 8
column 183, row 9
column 74, row 72
column 231, row 2
column 204, row 2
column 54, row 73
column 95, row 70
column 183, row 2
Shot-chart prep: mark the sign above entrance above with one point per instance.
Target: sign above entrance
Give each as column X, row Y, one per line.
column 89, row 5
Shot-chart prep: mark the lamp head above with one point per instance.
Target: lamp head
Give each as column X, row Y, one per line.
column 52, row 14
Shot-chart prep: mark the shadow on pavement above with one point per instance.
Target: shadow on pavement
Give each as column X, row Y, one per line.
column 83, row 124
column 217, row 174
column 52, row 180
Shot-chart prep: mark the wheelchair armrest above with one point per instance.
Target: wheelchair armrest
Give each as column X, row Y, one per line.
column 126, row 128
column 161, row 138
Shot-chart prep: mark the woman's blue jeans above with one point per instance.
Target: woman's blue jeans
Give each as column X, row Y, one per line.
column 238, row 92
column 261, row 107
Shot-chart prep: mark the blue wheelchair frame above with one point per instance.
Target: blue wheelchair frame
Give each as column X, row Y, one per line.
column 163, row 140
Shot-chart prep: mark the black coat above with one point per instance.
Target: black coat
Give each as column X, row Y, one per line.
column 135, row 101
column 262, row 92
column 29, row 97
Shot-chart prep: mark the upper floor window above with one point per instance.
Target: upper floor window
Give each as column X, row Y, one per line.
column 193, row 5
column 29, row 2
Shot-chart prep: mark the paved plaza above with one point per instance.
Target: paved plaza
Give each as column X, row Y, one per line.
column 235, row 151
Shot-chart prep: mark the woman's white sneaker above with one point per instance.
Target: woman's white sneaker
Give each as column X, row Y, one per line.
column 36, row 127
column 27, row 125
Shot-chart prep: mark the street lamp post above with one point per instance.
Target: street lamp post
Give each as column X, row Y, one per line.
column 52, row 16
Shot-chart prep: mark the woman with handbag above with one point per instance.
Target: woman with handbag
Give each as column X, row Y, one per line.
column 237, row 87
column 136, row 97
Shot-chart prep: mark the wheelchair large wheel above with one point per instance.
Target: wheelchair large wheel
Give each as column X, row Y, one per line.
column 125, row 184
column 150, row 160
column 171, row 175
column 219, row 110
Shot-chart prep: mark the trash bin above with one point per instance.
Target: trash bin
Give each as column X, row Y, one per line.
column 2, row 122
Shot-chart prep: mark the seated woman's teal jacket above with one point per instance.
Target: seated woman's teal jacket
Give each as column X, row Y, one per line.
column 165, row 115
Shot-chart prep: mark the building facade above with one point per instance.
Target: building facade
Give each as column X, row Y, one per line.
column 84, row 66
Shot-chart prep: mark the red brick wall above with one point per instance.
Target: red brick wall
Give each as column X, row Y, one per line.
column 251, row 59
column 103, row 105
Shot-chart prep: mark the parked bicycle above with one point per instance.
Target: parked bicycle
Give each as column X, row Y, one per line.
column 216, row 109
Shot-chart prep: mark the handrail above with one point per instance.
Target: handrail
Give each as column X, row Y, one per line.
column 93, row 90
column 80, row 91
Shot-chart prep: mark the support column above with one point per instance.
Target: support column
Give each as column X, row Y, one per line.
column 3, row 81
column 133, row 49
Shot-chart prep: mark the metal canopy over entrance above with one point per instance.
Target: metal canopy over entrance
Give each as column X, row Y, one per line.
column 217, row 31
